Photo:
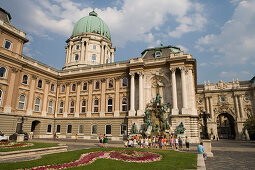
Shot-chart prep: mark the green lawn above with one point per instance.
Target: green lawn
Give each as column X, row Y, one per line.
column 35, row 146
column 171, row 160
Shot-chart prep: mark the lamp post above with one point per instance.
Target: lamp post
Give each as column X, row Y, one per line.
column 204, row 116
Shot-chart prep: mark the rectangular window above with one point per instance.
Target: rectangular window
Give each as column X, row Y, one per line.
column 94, row 47
column 50, row 107
column 69, row 128
column 81, row 129
column 61, row 107
column 123, row 129
column 108, row 129
column 94, row 58
column 94, row 129
column 58, row 129
column 7, row 44
column 49, row 128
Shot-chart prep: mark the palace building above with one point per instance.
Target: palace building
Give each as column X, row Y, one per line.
column 94, row 95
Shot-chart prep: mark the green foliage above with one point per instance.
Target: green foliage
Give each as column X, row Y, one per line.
column 171, row 160
column 250, row 124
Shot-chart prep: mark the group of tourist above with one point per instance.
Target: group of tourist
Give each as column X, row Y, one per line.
column 103, row 140
column 161, row 142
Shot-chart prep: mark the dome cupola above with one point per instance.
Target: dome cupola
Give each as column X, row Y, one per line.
column 92, row 24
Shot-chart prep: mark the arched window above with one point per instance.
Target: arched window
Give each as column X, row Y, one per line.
column 108, row 129
column 73, row 87
column 37, row 104
column 94, row 129
column 124, row 82
column 25, row 79
column 63, row 89
column 83, row 106
column 50, row 107
column 76, row 57
column 22, row 102
column 1, row 97
column 96, row 106
column 124, row 104
column 77, row 47
column 109, row 105
column 97, row 85
column 85, row 86
column 61, row 107
column 2, row 72
column 39, row 84
column 72, row 106
column 52, row 87
column 110, row 84
column 8, row 45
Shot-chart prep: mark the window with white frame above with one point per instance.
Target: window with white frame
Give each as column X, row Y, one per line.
column 97, row 85
column 123, row 129
column 124, row 104
column 96, row 106
column 77, row 47
column 94, row 58
column 73, row 89
column 69, row 129
column 109, row 105
column 85, row 86
column 50, row 106
column 110, row 83
column 157, row 54
column 72, row 106
column 124, row 82
column 1, row 97
column 49, row 128
column 107, row 61
column 39, row 84
column 94, row 47
column 58, row 128
column 63, row 89
column 81, row 129
column 37, row 104
column 7, row 44
column 25, row 79
column 83, row 106
column 108, row 129
column 52, row 87
column 22, row 101
column 2, row 72
column 94, row 129
column 61, row 107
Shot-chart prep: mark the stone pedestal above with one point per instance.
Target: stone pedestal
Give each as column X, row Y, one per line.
column 20, row 138
column 208, row 147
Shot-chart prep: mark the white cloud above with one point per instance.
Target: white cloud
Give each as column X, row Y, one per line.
column 235, row 43
column 233, row 74
column 184, row 49
column 132, row 21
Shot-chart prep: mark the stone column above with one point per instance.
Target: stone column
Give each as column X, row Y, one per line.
column 241, row 106
column 31, row 96
column 211, row 108
column 140, row 111
column 207, row 104
column 132, row 95
column 102, row 101
column 102, row 54
column 90, row 102
column 184, row 90
column 56, row 108
column 82, row 51
column 175, row 110
column 70, row 52
column 7, row 107
column 87, row 60
column 117, row 97
column 45, row 98
column 236, row 106
column 192, row 91
column 67, row 53
column 77, row 107
column 66, row 111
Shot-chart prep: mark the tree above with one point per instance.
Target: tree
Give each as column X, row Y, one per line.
column 250, row 126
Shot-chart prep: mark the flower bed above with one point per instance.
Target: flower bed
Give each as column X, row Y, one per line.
column 126, row 156
column 4, row 145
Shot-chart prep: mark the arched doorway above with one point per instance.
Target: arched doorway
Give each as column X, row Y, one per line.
column 226, row 126
column 35, row 128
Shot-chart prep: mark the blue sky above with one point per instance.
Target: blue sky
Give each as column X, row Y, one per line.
column 220, row 34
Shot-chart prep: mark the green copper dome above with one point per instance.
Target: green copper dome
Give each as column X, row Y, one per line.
column 92, row 24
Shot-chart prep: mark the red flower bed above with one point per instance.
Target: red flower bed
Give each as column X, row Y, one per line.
column 127, row 156
column 4, row 145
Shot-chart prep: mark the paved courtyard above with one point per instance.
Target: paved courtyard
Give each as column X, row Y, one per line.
column 230, row 154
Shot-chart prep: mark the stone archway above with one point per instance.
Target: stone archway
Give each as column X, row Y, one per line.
column 35, row 128
column 226, row 126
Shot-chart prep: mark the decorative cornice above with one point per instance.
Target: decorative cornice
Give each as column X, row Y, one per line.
column 14, row 70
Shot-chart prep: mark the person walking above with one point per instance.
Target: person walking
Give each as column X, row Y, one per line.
column 187, row 143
